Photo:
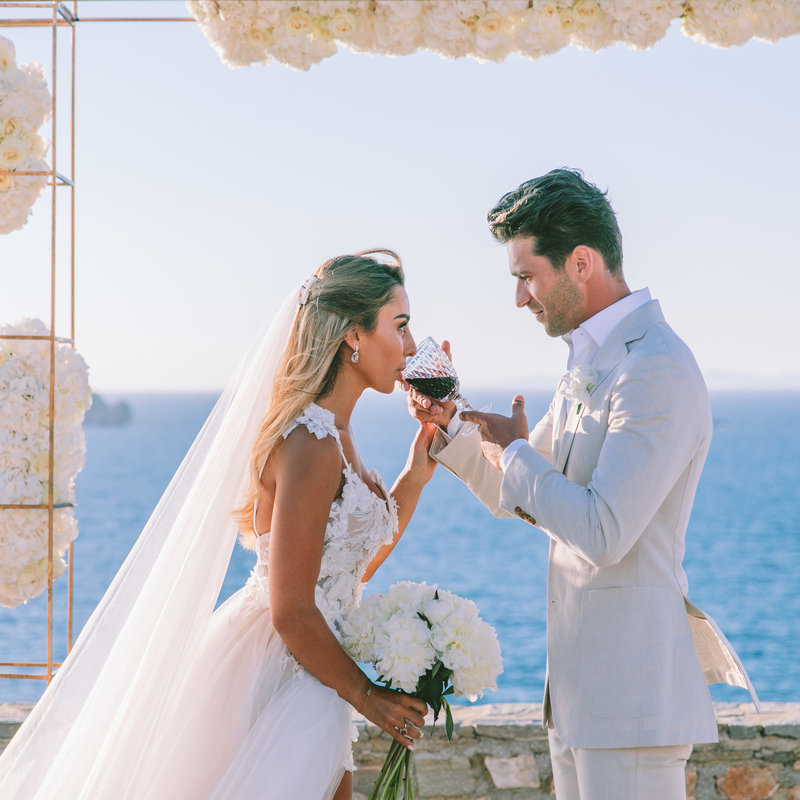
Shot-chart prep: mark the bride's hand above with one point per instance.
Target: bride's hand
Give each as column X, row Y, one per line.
column 419, row 461
column 425, row 409
column 400, row 715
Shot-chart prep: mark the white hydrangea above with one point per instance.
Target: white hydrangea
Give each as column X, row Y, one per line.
column 23, row 551
column 25, row 455
column 24, row 108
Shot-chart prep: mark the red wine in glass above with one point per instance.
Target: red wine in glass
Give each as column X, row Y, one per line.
column 437, row 388
column 431, row 373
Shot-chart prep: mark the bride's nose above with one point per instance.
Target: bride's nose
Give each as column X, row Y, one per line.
column 411, row 346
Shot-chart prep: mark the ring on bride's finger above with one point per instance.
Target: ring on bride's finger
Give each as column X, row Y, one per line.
column 404, row 731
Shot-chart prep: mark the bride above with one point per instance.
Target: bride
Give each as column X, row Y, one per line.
column 162, row 696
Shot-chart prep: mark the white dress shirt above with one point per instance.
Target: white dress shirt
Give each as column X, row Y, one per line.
column 584, row 342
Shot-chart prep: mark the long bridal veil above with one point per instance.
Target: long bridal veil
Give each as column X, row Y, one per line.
column 88, row 735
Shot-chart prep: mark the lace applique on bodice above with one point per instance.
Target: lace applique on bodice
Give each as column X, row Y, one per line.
column 360, row 523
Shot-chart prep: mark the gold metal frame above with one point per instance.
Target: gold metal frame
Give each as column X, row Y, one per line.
column 55, row 15
column 59, row 16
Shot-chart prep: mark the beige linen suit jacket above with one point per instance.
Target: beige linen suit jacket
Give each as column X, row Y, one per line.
column 628, row 655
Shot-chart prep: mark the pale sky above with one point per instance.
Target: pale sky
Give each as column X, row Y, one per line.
column 204, row 194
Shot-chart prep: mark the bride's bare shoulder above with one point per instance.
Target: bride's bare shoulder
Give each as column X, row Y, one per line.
column 303, row 455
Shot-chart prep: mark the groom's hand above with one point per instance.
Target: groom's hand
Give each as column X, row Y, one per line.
column 497, row 431
column 427, row 410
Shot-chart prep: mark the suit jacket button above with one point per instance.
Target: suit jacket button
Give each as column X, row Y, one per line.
column 524, row 515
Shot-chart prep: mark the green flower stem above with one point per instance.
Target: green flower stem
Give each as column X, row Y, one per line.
column 409, row 789
column 389, row 782
column 395, row 776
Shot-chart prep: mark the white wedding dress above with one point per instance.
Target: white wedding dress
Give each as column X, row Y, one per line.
column 162, row 696
column 251, row 723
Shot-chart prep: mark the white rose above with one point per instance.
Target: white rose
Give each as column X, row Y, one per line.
column 721, row 25
column 299, row 24
column 399, row 9
column 343, row 25
column 8, row 54
column 13, row 151
column 397, row 27
column 11, row 126
column 6, row 185
column 568, row 20
column 40, row 464
column 490, row 26
column 445, row 29
column 539, row 31
column 507, row 7
column 258, row 37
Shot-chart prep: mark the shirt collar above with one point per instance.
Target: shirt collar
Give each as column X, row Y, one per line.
column 591, row 335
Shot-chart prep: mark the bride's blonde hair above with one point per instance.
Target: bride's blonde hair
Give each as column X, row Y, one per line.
column 350, row 291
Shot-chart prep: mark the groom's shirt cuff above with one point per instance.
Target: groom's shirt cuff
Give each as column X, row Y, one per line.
column 508, row 453
column 454, row 426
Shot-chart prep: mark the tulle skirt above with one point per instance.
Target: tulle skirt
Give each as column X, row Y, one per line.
column 249, row 723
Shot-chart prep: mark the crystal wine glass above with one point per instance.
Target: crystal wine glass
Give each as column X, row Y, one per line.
column 431, row 373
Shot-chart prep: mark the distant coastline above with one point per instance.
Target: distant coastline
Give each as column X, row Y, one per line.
column 104, row 413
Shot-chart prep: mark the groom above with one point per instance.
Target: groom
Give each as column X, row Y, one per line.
column 609, row 474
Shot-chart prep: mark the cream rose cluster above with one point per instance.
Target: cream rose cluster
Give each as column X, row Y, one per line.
column 24, row 456
column 416, row 632
column 722, row 23
column 301, row 33
column 24, row 108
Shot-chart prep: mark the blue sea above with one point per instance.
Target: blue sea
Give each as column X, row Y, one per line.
column 742, row 556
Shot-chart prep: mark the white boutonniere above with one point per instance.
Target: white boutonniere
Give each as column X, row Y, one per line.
column 578, row 383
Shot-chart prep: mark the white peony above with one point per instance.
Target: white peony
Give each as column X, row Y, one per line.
column 405, row 651
column 410, row 628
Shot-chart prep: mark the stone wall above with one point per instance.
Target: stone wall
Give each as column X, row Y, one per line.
column 499, row 752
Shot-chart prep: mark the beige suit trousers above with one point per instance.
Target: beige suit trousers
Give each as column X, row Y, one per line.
column 630, row 773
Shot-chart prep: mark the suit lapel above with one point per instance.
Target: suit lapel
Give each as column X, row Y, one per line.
column 613, row 351
column 568, row 436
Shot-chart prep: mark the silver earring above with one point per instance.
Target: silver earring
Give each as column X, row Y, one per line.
column 355, row 356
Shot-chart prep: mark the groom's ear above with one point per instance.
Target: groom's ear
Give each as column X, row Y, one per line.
column 581, row 263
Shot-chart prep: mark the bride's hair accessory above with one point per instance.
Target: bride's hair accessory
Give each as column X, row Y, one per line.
column 305, row 289
column 355, row 356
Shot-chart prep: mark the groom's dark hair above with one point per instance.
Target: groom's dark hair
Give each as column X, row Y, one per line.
column 562, row 210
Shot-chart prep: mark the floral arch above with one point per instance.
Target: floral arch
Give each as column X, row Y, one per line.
column 300, row 33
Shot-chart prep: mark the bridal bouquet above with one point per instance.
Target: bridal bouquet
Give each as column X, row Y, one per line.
column 429, row 643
